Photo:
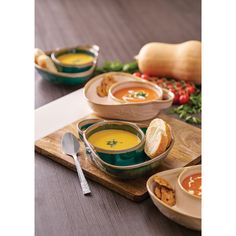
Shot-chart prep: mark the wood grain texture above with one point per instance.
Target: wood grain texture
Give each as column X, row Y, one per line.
column 186, row 150
column 120, row 28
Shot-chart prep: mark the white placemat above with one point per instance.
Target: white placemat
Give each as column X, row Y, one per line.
column 60, row 113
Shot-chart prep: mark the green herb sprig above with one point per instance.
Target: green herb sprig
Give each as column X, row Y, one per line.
column 112, row 142
column 187, row 111
column 110, row 66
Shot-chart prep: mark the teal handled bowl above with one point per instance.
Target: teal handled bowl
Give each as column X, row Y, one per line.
column 145, row 168
column 90, row 50
column 65, row 78
column 130, row 171
column 130, row 155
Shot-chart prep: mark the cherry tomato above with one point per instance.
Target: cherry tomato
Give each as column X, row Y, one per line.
column 170, row 86
column 190, row 89
column 179, row 86
column 144, row 76
column 160, row 81
column 137, row 74
column 173, row 90
column 164, row 85
column 181, row 92
column 183, row 99
column 176, row 98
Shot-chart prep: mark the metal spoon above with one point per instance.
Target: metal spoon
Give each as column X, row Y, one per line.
column 70, row 146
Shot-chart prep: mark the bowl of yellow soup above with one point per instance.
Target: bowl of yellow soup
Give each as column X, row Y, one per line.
column 135, row 92
column 129, row 162
column 75, row 59
column 116, row 142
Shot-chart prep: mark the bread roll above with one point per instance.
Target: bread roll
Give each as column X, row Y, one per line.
column 37, row 52
column 158, row 138
column 46, row 62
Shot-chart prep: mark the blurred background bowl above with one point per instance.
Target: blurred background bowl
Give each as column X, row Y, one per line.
column 91, row 50
column 65, row 78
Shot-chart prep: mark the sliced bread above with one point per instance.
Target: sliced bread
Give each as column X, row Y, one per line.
column 37, row 52
column 46, row 62
column 158, row 138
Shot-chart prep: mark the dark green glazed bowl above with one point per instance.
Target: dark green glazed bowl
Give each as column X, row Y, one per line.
column 91, row 50
column 145, row 168
column 123, row 157
column 65, row 78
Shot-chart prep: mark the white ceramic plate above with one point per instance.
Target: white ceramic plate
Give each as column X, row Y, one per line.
column 108, row 108
column 187, row 210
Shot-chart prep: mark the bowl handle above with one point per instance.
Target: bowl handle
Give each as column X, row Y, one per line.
column 167, row 101
column 92, row 156
column 80, row 126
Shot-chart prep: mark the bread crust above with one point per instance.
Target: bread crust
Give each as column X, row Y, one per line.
column 37, row 52
column 106, row 83
column 168, row 133
column 45, row 61
column 164, row 191
column 158, row 138
column 162, row 182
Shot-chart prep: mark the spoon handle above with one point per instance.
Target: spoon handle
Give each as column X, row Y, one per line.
column 83, row 181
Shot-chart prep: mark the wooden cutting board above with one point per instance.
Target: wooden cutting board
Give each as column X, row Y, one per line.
column 186, row 151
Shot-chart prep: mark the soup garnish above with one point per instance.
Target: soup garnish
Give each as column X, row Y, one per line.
column 114, row 139
column 75, row 58
column 136, row 94
column 193, row 184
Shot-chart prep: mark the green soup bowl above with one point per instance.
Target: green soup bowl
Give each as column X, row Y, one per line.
column 124, row 157
column 91, row 50
column 146, row 167
column 65, row 78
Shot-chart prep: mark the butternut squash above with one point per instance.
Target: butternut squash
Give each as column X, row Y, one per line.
column 180, row 61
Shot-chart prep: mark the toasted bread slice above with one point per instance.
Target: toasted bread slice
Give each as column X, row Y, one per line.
column 168, row 196
column 164, row 191
column 45, row 62
column 158, row 138
column 162, row 182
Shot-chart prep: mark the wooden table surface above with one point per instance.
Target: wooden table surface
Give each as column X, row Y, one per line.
column 120, row 28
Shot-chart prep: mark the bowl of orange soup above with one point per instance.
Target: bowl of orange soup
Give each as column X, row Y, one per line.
column 190, row 181
column 135, row 92
column 75, row 59
column 116, row 142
